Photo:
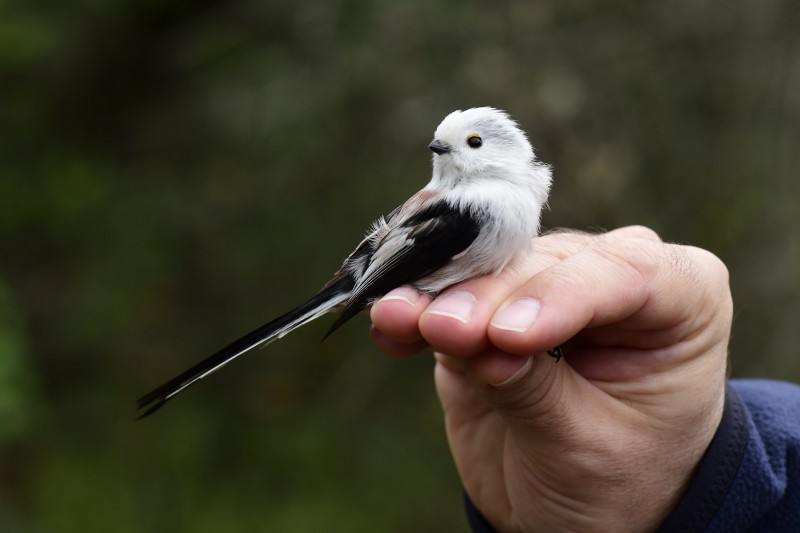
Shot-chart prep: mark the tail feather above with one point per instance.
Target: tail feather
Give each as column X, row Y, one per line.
column 318, row 305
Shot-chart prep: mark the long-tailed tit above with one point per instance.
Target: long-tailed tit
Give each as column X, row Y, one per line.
column 481, row 207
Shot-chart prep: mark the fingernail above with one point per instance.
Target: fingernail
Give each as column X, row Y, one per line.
column 517, row 316
column 405, row 294
column 518, row 375
column 456, row 305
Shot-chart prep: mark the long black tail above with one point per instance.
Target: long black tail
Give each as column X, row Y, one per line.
column 318, row 305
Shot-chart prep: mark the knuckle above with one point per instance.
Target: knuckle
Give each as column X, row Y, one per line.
column 568, row 281
column 636, row 257
column 561, row 235
column 638, row 231
column 710, row 267
column 681, row 261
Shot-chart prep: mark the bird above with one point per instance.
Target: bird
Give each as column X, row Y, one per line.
column 481, row 207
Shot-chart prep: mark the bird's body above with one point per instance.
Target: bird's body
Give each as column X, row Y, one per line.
column 481, row 207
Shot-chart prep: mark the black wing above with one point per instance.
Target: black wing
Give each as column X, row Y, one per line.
column 435, row 234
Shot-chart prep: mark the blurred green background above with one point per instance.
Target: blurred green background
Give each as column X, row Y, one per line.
column 169, row 171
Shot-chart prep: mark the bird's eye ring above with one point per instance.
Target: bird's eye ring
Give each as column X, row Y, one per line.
column 474, row 141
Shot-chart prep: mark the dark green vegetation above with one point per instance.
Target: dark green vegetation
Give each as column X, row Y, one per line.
column 175, row 173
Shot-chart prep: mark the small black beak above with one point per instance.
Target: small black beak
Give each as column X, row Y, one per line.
column 438, row 147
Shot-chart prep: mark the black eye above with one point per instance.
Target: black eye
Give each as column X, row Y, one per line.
column 474, row 141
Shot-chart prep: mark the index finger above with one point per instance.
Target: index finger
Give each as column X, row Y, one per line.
column 456, row 322
column 637, row 284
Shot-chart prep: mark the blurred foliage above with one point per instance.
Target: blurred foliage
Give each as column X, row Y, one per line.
column 168, row 171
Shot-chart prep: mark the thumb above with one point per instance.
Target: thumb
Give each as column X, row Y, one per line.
column 532, row 393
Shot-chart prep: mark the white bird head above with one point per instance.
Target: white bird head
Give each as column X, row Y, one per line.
column 481, row 142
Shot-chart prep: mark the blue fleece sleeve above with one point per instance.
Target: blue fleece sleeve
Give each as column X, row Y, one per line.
column 749, row 478
column 765, row 492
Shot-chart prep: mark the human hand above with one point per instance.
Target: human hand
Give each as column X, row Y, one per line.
column 607, row 438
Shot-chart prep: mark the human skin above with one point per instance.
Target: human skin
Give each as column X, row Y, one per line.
column 607, row 438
